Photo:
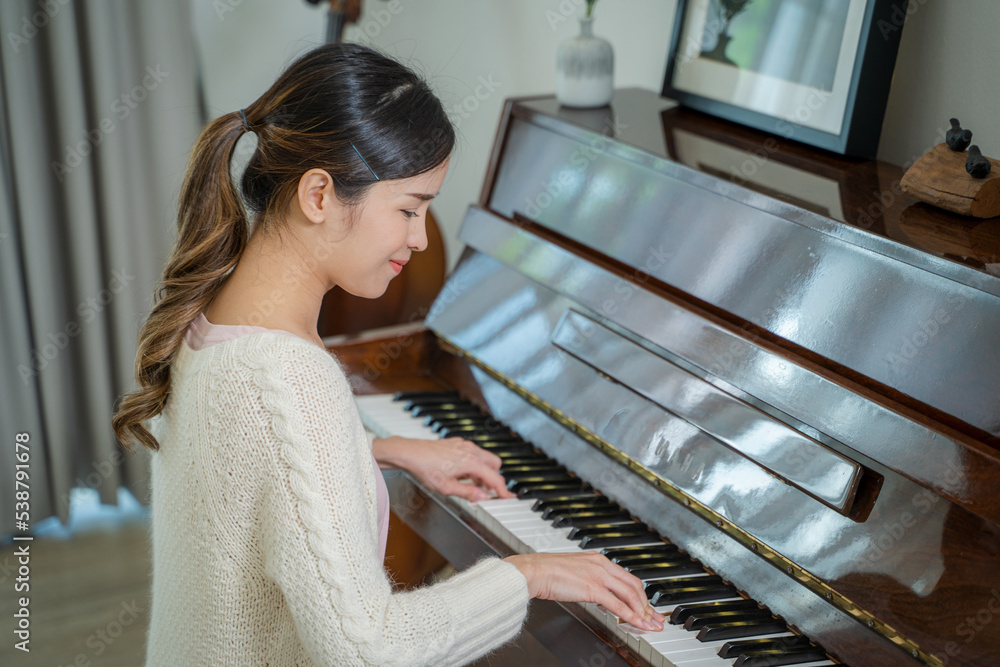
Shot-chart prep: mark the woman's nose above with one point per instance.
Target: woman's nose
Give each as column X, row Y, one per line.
column 417, row 240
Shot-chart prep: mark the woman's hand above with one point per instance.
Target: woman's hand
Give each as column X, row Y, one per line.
column 441, row 464
column 588, row 577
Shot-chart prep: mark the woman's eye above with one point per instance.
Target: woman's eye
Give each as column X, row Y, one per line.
column 410, row 214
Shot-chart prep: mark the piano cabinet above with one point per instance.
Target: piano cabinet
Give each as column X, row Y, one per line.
column 801, row 400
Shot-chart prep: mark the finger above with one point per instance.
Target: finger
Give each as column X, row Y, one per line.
column 635, row 599
column 622, row 604
column 634, row 583
column 615, row 605
column 470, row 492
column 487, row 457
column 491, row 480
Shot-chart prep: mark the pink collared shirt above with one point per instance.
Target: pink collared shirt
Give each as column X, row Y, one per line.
column 202, row 334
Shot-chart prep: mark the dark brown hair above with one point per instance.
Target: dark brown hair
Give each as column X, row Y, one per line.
column 330, row 107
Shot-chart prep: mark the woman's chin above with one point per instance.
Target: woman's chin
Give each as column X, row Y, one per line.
column 366, row 291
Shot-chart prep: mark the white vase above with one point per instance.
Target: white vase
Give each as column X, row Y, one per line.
column 585, row 68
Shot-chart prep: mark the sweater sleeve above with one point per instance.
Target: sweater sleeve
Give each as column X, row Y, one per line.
column 320, row 542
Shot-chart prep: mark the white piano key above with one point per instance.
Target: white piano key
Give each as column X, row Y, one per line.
column 515, row 524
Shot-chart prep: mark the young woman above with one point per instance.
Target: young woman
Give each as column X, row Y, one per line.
column 269, row 515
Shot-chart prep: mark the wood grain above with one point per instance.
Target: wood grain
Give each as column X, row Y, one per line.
column 939, row 178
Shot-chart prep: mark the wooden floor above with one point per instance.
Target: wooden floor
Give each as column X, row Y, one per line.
column 89, row 599
column 90, row 602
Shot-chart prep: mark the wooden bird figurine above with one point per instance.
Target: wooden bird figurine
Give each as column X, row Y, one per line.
column 957, row 138
column 977, row 165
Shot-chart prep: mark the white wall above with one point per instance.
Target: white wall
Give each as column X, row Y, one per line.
column 944, row 67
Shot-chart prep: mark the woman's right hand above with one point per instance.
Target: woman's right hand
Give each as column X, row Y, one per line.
column 588, row 577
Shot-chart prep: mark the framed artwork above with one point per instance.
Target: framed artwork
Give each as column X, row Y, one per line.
column 815, row 71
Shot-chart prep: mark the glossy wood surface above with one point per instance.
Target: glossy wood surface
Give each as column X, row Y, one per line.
column 920, row 550
column 960, row 551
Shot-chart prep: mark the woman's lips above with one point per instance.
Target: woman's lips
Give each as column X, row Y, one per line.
column 396, row 265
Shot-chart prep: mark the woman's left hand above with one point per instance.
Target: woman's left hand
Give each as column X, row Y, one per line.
column 441, row 464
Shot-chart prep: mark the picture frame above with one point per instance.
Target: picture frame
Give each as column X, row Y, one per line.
column 813, row 71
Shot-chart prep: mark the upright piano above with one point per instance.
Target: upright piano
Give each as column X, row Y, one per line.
column 756, row 374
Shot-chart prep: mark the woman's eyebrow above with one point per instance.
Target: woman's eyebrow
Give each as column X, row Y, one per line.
column 421, row 196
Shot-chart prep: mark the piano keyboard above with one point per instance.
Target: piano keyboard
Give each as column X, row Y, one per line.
column 710, row 623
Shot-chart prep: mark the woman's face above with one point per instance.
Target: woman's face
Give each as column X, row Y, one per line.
column 387, row 228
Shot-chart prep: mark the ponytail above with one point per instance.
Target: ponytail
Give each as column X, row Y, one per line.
column 213, row 230
column 330, row 107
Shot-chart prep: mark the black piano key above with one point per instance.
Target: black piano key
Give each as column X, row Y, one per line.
column 599, row 542
column 648, row 551
column 564, row 519
column 518, row 481
column 671, row 552
column 510, row 449
column 574, row 501
column 682, row 612
column 698, row 621
column 448, row 412
column 476, row 434
column 551, row 473
column 565, row 507
column 711, row 579
column 673, row 570
column 548, row 489
column 464, row 409
column 512, row 457
column 480, row 438
column 716, row 631
column 593, row 510
column 538, row 466
column 425, row 395
column 635, row 528
column 688, row 589
column 738, row 647
column 692, row 594
column 440, row 425
column 774, row 658
column 441, row 421
column 502, row 443
column 659, row 561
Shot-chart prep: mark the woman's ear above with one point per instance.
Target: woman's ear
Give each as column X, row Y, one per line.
column 316, row 197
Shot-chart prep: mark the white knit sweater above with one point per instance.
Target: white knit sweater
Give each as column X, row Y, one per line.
column 265, row 535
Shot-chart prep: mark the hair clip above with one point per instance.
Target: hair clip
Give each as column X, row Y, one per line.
column 365, row 161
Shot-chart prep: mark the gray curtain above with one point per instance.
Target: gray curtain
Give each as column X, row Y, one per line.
column 99, row 106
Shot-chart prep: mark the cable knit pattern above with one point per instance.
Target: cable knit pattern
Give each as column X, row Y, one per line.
column 265, row 527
